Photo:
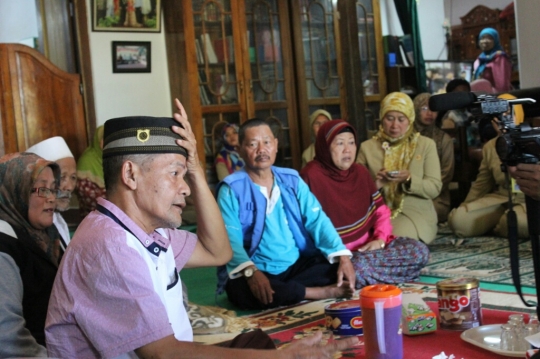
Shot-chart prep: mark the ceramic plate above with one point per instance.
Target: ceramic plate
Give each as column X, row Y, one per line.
column 488, row 337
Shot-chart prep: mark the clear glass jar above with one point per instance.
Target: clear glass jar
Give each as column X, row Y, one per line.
column 518, row 324
column 533, row 326
column 507, row 337
column 518, row 318
column 530, row 329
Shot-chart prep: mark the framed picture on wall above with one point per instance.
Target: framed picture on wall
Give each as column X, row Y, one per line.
column 131, row 56
column 126, row 15
column 439, row 73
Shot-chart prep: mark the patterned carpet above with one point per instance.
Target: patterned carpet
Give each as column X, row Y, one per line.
column 485, row 258
column 310, row 314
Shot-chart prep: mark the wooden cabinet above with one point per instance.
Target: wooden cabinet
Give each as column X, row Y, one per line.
column 402, row 79
column 369, row 58
column 233, row 60
column 318, row 68
column 371, row 50
column 271, row 92
column 339, row 70
column 38, row 101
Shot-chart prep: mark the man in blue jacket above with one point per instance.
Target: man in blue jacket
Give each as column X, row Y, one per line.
column 285, row 248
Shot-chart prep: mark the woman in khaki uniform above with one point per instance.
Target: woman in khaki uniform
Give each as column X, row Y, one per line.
column 406, row 168
column 486, row 204
column 425, row 124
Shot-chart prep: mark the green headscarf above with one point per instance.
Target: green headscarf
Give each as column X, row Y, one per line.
column 90, row 164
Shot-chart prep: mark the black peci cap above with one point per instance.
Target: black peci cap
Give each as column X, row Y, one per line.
column 140, row 135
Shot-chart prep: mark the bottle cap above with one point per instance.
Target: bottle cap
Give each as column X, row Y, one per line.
column 390, row 294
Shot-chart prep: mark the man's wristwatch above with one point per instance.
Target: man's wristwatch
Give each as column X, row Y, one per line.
column 248, row 272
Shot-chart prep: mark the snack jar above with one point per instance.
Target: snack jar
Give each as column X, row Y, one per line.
column 459, row 303
column 344, row 318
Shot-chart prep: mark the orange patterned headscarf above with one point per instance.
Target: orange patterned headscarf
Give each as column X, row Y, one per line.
column 398, row 152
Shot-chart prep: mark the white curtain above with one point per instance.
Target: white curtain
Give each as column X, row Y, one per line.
column 18, row 20
column 389, row 19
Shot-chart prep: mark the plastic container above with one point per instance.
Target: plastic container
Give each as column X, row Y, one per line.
column 459, row 303
column 381, row 314
column 344, row 318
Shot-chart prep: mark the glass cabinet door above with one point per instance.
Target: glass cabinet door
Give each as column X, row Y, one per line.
column 370, row 50
column 319, row 47
column 318, row 63
column 217, row 71
column 215, row 52
column 266, row 66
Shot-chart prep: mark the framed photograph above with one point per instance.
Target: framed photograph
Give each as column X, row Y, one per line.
column 439, row 73
column 126, row 15
column 131, row 56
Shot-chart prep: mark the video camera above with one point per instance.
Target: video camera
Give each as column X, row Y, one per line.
column 517, row 144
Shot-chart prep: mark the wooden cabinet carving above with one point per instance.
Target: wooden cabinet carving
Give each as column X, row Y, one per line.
column 38, row 101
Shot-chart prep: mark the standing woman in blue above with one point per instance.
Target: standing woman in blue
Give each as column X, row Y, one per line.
column 493, row 64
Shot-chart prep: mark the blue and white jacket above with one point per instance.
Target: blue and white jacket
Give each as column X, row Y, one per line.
column 312, row 230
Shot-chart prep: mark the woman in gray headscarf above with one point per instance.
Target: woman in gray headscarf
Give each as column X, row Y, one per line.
column 29, row 251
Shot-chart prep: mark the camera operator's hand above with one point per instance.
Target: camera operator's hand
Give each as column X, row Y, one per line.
column 496, row 125
column 527, row 176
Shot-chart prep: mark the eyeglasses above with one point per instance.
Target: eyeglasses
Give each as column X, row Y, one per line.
column 45, row 192
column 424, row 108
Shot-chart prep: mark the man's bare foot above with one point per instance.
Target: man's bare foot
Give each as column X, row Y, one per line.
column 330, row 291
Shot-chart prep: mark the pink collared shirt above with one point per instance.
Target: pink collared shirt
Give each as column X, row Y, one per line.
column 103, row 302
